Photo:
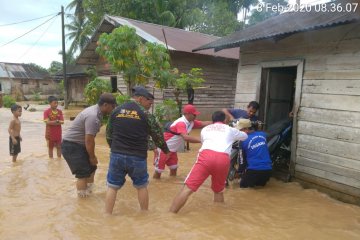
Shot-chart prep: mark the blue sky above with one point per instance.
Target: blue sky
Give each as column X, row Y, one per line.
column 42, row 45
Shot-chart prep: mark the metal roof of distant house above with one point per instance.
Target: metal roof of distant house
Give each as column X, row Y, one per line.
column 287, row 24
column 176, row 39
column 72, row 71
column 21, row 71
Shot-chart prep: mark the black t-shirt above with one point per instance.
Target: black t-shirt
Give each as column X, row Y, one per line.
column 129, row 130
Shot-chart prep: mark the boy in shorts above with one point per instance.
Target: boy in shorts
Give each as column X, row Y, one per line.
column 53, row 117
column 14, row 132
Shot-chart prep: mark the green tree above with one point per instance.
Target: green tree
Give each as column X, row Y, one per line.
column 208, row 16
column 137, row 62
column 215, row 19
column 38, row 68
column 79, row 27
column 186, row 81
column 259, row 16
column 55, row 67
column 94, row 89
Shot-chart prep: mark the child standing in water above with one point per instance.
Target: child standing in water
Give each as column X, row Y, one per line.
column 53, row 117
column 14, row 132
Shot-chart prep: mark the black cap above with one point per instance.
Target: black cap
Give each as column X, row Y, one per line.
column 141, row 91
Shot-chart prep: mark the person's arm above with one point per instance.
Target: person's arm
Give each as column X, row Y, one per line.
column 11, row 131
column 109, row 131
column 61, row 117
column 191, row 139
column 156, row 133
column 201, row 124
column 181, row 129
column 228, row 115
column 90, row 148
column 239, row 135
column 53, row 122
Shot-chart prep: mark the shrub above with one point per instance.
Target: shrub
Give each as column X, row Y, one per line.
column 121, row 99
column 94, row 89
column 166, row 111
column 8, row 101
column 36, row 95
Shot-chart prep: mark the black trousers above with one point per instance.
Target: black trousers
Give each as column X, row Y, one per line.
column 253, row 178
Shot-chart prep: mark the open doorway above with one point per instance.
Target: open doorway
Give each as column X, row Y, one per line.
column 114, row 86
column 277, row 96
column 277, row 91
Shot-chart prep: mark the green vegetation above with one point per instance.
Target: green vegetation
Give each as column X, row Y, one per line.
column 8, row 101
column 94, row 89
column 139, row 63
column 36, row 95
column 166, row 111
column 121, row 99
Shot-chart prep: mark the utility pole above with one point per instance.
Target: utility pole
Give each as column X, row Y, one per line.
column 64, row 59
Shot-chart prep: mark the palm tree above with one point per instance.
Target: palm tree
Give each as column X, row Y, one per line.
column 79, row 32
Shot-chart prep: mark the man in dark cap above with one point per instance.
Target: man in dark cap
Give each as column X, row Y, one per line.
column 128, row 130
column 78, row 145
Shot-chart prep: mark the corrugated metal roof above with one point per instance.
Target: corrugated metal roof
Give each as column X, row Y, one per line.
column 21, row 71
column 176, row 39
column 289, row 23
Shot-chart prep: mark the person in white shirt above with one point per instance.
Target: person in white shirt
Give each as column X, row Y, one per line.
column 179, row 133
column 213, row 159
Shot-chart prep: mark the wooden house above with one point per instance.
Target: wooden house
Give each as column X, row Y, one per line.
column 77, row 78
column 219, row 68
column 308, row 62
column 23, row 81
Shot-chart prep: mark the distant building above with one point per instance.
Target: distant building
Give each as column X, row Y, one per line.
column 23, row 81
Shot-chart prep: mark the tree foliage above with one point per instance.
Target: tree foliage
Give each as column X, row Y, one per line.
column 138, row 62
column 55, row 67
column 259, row 16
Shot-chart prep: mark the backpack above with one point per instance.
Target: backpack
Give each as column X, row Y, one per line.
column 167, row 126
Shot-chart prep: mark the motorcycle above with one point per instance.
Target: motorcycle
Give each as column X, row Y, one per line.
column 278, row 142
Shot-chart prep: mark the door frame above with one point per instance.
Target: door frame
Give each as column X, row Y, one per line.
column 299, row 64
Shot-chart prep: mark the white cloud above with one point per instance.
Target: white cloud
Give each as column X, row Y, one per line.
column 40, row 46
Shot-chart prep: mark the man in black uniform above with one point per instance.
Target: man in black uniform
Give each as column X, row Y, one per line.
column 128, row 130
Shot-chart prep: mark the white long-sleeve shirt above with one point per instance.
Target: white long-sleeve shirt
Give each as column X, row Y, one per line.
column 219, row 137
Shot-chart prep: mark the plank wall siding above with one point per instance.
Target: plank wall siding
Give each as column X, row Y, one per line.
column 220, row 81
column 218, row 89
column 328, row 118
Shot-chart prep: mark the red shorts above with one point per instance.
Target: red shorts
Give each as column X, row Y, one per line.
column 208, row 163
column 161, row 160
column 53, row 143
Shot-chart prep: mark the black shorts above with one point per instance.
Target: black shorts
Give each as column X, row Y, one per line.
column 77, row 158
column 253, row 178
column 15, row 149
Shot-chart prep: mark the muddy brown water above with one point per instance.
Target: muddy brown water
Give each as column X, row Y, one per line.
column 38, row 201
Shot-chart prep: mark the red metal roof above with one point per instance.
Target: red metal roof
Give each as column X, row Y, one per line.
column 176, row 39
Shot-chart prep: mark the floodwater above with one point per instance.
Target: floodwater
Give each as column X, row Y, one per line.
column 38, row 201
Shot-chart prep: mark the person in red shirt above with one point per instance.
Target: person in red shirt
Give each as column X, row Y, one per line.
column 175, row 139
column 53, row 117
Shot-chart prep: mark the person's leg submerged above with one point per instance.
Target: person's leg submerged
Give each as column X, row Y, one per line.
column 50, row 151
column 173, row 172
column 180, row 199
column 110, row 200
column 58, row 151
column 143, row 197
column 219, row 197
